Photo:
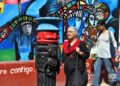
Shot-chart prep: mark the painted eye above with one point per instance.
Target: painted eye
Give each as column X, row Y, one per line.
column 29, row 26
column 2, row 35
column 70, row 19
column 77, row 19
column 96, row 19
column 91, row 18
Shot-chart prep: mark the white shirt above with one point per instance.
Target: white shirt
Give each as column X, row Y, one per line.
column 104, row 44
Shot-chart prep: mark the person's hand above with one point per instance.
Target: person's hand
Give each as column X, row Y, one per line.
column 78, row 50
column 94, row 43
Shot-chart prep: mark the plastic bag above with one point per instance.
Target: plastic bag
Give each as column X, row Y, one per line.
column 94, row 52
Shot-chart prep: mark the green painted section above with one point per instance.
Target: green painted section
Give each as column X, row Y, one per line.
column 7, row 55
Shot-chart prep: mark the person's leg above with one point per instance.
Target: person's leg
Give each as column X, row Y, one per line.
column 111, row 73
column 118, row 84
column 118, row 77
column 108, row 65
column 97, row 69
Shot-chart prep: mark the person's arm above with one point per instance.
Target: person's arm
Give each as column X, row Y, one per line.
column 79, row 51
column 113, row 39
column 82, row 50
column 116, row 55
column 94, row 43
column 115, row 46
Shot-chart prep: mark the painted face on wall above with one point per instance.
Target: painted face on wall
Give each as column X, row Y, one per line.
column 78, row 22
column 71, row 21
column 75, row 21
column 93, row 20
column 27, row 29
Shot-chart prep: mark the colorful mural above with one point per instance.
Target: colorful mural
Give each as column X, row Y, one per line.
column 84, row 14
column 17, row 32
column 1, row 6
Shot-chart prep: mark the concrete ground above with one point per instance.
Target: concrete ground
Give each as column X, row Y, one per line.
column 103, row 83
column 118, row 84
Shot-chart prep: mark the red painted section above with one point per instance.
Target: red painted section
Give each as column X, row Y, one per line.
column 61, row 77
column 23, row 73
column 18, row 73
column 14, row 1
column 0, row 39
column 89, row 63
column 47, row 37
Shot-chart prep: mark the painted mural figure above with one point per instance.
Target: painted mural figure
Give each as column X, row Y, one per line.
column 62, row 3
column 104, row 52
column 113, row 23
column 23, row 38
column 92, row 16
column 74, row 56
column 27, row 36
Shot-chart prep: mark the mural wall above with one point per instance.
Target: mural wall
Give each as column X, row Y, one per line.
column 18, row 25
